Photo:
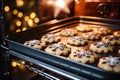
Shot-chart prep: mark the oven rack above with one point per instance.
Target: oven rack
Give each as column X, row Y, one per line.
column 41, row 72
column 60, row 72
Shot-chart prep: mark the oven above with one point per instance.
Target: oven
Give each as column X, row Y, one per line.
column 23, row 20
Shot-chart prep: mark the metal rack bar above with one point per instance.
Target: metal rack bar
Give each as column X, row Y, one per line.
column 42, row 73
column 46, row 66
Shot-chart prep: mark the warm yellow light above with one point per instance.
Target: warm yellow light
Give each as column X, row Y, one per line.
column 36, row 20
column 77, row 1
column 18, row 64
column 33, row 15
column 92, row 0
column 24, row 28
column 15, row 11
column 30, row 22
column 19, row 3
column 26, row 18
column 14, row 64
column 20, row 14
column 18, row 23
column 18, row 30
column 22, row 67
column 23, row 62
column 61, row 5
column 6, row 8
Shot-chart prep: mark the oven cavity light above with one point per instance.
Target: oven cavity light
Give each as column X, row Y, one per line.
column 92, row 0
column 61, row 5
column 77, row 1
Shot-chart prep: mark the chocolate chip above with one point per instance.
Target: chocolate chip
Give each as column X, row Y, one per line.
column 32, row 45
column 104, row 62
column 79, row 56
column 98, row 46
column 95, row 44
column 75, row 55
column 88, row 56
column 112, row 66
column 38, row 44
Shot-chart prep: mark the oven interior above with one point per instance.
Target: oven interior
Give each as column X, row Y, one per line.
column 21, row 15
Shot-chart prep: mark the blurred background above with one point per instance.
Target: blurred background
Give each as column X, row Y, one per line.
column 24, row 14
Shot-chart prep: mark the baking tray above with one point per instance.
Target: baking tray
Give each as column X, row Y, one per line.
column 15, row 42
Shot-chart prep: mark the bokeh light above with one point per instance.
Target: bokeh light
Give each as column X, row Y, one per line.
column 33, row 15
column 6, row 8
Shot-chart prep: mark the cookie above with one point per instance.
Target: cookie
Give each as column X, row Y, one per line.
column 50, row 38
column 91, row 36
column 102, row 31
column 110, row 63
column 117, row 34
column 37, row 44
column 68, row 32
column 59, row 49
column 101, row 47
column 110, row 39
column 84, row 27
column 83, row 56
column 77, row 41
column 119, row 51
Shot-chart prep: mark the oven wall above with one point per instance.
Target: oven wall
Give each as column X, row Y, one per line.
column 101, row 8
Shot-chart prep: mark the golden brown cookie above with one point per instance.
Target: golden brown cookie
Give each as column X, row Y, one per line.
column 117, row 34
column 68, row 32
column 91, row 36
column 59, row 49
column 37, row 44
column 119, row 51
column 50, row 38
column 102, row 31
column 83, row 56
column 77, row 41
column 84, row 27
column 110, row 63
column 110, row 39
column 101, row 47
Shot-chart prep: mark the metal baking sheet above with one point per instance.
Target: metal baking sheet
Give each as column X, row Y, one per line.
column 15, row 42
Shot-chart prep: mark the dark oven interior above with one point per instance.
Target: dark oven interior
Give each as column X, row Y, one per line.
column 20, row 18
